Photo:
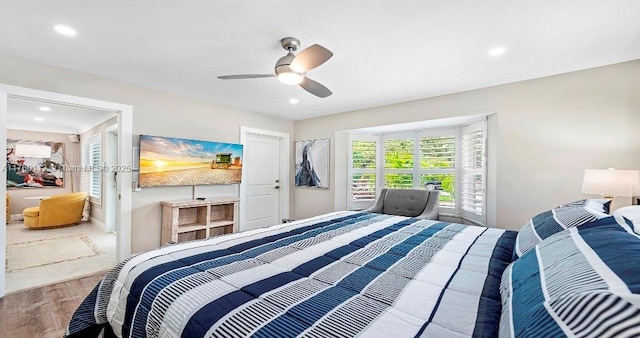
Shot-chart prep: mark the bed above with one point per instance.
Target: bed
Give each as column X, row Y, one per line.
column 348, row 274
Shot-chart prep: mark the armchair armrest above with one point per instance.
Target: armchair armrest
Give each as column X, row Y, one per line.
column 377, row 208
column 432, row 209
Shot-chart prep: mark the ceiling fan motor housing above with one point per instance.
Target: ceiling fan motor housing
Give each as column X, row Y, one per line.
column 283, row 65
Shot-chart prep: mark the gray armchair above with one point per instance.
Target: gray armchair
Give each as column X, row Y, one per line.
column 407, row 202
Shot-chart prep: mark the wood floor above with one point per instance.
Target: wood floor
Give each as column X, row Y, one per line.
column 43, row 311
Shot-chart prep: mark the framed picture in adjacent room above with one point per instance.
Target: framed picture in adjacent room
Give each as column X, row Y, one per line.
column 35, row 164
column 312, row 163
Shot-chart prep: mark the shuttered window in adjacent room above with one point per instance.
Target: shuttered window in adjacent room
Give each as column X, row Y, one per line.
column 91, row 179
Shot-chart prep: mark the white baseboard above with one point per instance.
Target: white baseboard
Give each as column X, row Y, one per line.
column 98, row 223
column 16, row 217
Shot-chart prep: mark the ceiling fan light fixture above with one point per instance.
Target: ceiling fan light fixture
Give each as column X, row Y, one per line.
column 292, row 69
column 290, row 77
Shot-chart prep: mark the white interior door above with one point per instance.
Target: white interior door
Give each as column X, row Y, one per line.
column 263, row 181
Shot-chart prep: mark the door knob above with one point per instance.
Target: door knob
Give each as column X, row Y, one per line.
column 277, row 187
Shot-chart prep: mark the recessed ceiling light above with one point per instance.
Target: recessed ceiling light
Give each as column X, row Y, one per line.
column 293, row 101
column 39, row 119
column 44, row 108
column 497, row 51
column 65, row 30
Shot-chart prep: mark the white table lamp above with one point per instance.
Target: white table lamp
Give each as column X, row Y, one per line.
column 610, row 183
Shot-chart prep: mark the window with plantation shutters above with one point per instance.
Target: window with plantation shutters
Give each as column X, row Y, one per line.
column 91, row 180
column 362, row 171
column 451, row 160
column 472, row 187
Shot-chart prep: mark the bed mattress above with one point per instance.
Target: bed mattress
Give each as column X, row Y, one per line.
column 341, row 274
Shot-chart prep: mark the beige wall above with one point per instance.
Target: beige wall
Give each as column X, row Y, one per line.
column 155, row 113
column 545, row 132
column 17, row 195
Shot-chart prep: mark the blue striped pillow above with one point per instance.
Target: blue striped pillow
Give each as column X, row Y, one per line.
column 582, row 282
column 555, row 220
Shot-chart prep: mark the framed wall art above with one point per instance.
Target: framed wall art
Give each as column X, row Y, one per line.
column 312, row 163
column 35, row 164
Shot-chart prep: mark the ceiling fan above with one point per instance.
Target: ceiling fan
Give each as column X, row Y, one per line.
column 292, row 69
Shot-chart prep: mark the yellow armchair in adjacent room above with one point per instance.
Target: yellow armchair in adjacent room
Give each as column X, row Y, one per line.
column 56, row 210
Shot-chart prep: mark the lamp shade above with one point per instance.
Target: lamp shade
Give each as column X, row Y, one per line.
column 32, row 150
column 610, row 182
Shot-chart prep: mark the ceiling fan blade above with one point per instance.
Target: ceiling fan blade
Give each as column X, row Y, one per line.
column 244, row 76
column 311, row 57
column 315, row 88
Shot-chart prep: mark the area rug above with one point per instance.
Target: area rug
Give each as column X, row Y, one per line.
column 36, row 253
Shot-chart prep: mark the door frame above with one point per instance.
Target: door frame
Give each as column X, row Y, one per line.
column 125, row 158
column 111, row 193
column 285, row 147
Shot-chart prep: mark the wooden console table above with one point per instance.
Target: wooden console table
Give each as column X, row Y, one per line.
column 197, row 219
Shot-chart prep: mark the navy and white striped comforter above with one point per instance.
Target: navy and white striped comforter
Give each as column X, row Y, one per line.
column 341, row 274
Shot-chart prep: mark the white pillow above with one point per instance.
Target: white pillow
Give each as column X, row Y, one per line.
column 631, row 213
column 599, row 205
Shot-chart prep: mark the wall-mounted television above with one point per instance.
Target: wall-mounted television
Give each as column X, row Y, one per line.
column 170, row 161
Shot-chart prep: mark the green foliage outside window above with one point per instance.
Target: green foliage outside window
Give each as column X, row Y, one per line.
column 435, row 153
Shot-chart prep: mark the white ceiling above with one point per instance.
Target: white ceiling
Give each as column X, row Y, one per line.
column 384, row 51
column 25, row 114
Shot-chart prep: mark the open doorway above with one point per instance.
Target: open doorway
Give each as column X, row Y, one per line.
column 60, row 223
column 65, row 181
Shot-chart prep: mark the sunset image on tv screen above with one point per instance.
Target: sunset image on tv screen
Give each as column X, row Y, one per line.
column 169, row 161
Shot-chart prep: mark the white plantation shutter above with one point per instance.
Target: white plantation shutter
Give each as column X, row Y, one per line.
column 473, row 185
column 84, row 174
column 399, row 154
column 362, row 171
column 438, row 153
column 91, row 180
